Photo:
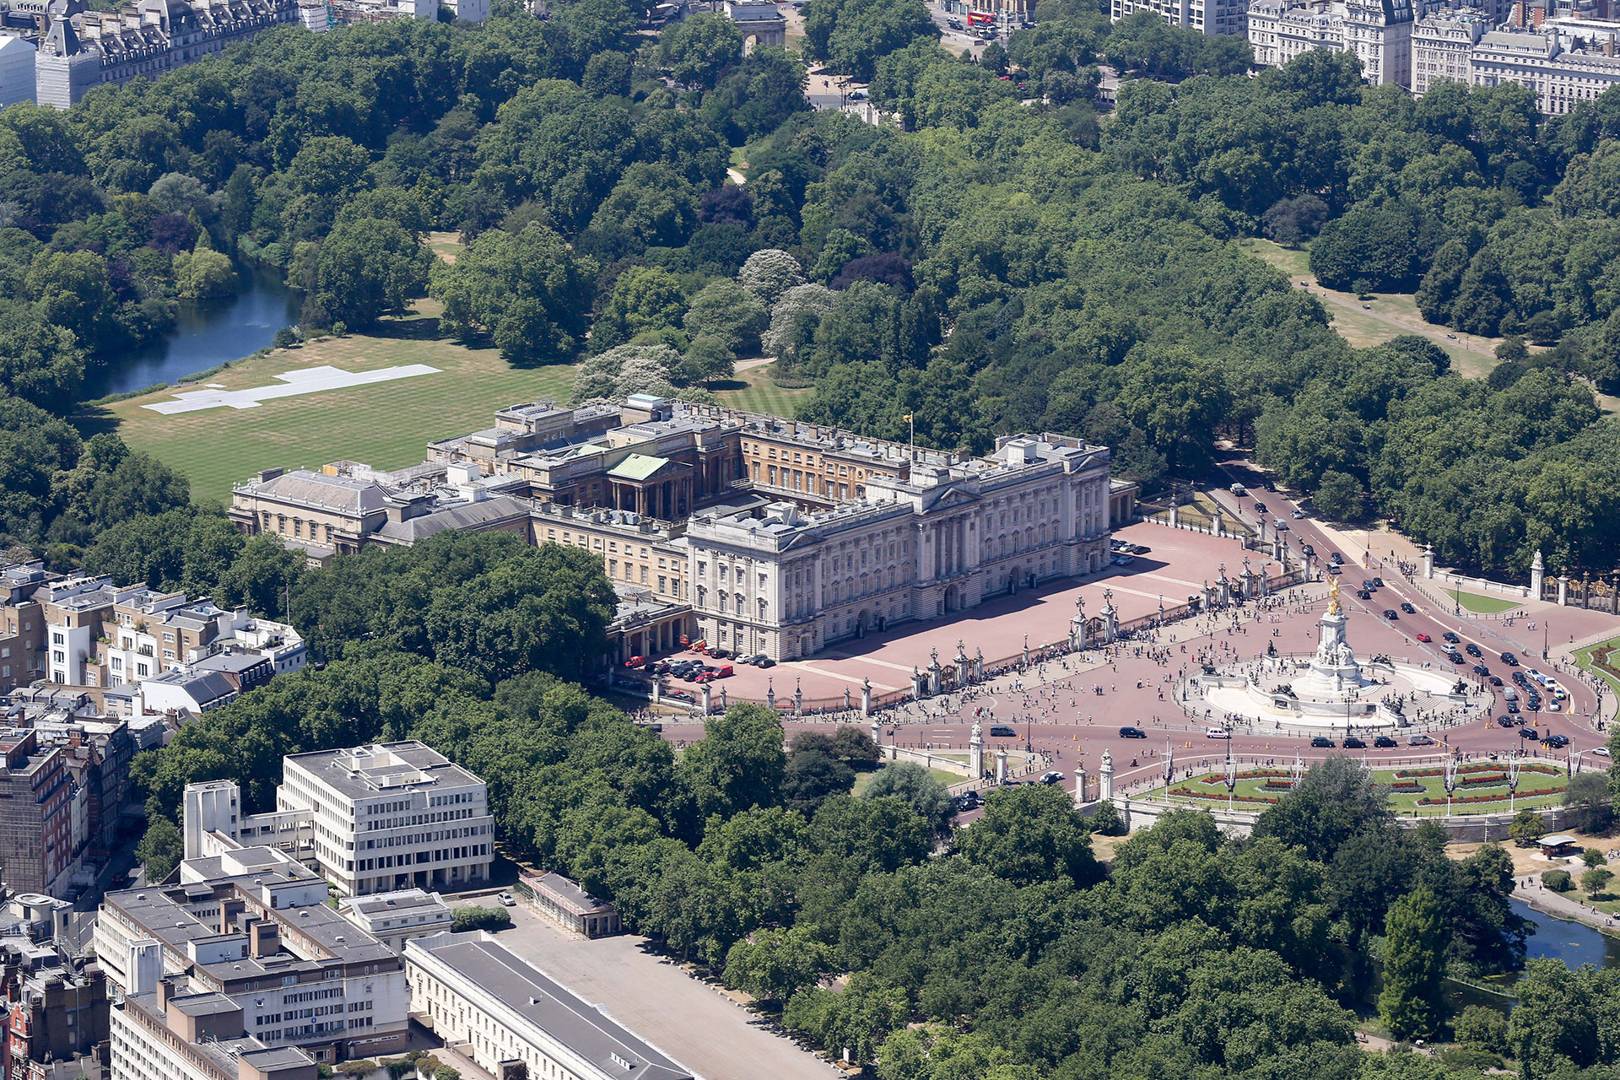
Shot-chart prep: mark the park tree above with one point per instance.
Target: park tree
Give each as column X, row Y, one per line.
column 1030, row 835
column 919, row 788
column 794, row 319
column 40, row 362
column 160, row 849
column 769, row 273
column 1414, row 966
column 729, row 312
column 644, row 299
column 1334, row 801
column 203, row 274
column 811, row 776
column 1339, row 497
column 527, row 290
column 773, row 965
column 1589, row 797
column 739, row 762
column 1595, row 882
column 365, row 269
column 696, row 51
column 652, row 205
column 850, row 35
column 756, row 96
column 1293, row 221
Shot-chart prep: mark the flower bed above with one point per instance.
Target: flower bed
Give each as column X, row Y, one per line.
column 1483, row 779
column 1277, row 785
column 1477, row 767
column 1193, row 793
column 1407, row 787
column 1531, row 794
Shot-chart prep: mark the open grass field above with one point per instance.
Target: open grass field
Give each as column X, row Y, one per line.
column 1388, row 315
column 864, row 780
column 1486, row 605
column 1413, row 790
column 387, row 425
column 753, row 391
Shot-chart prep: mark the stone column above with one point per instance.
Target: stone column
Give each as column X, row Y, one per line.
column 877, row 730
column 1563, row 590
column 976, row 751
column 1218, row 523
column 1428, row 561
column 1538, row 576
column 1105, row 777
column 770, row 694
column 866, row 700
column 798, row 698
column 657, row 690
column 1001, row 765
column 708, row 697
column 1079, row 785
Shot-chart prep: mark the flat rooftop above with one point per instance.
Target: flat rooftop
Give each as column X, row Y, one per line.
column 362, row 771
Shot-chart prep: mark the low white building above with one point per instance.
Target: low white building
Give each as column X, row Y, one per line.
column 393, row 918
column 476, row 992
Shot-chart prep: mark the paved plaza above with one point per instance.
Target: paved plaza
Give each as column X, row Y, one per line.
column 1071, row 707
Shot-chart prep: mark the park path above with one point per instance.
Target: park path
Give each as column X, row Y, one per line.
column 1548, row 902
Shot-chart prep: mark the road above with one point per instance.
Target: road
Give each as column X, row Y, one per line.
column 693, row 1023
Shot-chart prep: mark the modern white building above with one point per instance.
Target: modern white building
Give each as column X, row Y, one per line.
column 1378, row 32
column 391, row 816
column 251, row 932
column 476, row 992
column 393, row 918
column 1443, row 44
column 161, row 1035
column 1204, row 16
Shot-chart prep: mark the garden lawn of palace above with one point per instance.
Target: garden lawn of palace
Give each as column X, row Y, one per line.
column 1413, row 789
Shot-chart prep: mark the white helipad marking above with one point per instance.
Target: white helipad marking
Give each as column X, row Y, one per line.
column 303, row 381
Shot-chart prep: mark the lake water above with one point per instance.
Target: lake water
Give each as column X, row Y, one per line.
column 204, row 336
column 1573, row 943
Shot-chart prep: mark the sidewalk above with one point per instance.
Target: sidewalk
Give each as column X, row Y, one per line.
column 1548, row 902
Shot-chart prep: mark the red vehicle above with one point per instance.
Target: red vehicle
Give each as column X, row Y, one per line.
column 635, row 661
column 1425, row 638
column 723, row 672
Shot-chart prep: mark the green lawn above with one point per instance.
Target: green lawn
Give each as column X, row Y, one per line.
column 1210, row 791
column 1592, row 659
column 1485, row 605
column 1387, row 315
column 753, row 391
column 864, row 780
column 386, row 425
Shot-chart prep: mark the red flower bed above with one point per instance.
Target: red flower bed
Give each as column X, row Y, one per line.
column 1480, row 779
column 1477, row 767
column 1192, row 793
column 1531, row 794
column 1406, row 787
column 1278, row 785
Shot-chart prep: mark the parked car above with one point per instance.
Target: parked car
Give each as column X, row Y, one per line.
column 1217, row 733
column 1471, row 649
column 1451, row 636
column 1384, row 742
column 1321, row 742
column 635, row 662
column 1504, row 721
column 1002, row 731
column 1601, row 751
column 1529, row 733
column 1419, row 740
column 1132, row 733
column 506, row 899
column 1333, row 568
column 1353, row 743
column 1280, row 525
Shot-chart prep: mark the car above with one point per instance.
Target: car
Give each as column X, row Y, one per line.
column 1455, row 657
column 1471, row 649
column 1425, row 638
column 636, row 661
column 1280, row 525
column 1335, row 558
column 1556, row 742
column 1364, row 594
column 1529, row 733
column 1601, row 751
column 1451, row 636
column 1239, row 490
column 1138, row 549
column 1334, row 569
column 968, row 800
column 1053, row 777
column 1367, row 585
column 1297, row 515
column 506, row 899
column 1554, row 705
column 1513, row 706
column 1132, row 733
column 1002, row 731
column 1378, row 583
column 1353, row 743
column 1384, row 742
column 1494, row 680
column 1481, row 669
column 1260, row 508
column 1419, row 740
column 1504, row 721
column 1510, row 660
column 1217, row 733
column 1321, row 741
column 1408, row 608
column 1307, row 549
column 1391, row 614
column 1123, row 560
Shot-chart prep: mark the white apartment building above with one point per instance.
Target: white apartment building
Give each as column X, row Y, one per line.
column 1443, row 44
column 787, row 582
column 164, row 1036
column 476, row 992
column 1378, row 32
column 391, row 816
column 1205, row 16
column 251, row 929
column 1560, row 68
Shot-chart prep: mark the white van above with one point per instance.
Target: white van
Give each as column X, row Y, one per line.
column 1217, row 733
column 1239, row 490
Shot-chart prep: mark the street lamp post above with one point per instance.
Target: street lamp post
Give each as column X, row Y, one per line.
column 1513, row 777
column 1231, row 774
column 1450, row 779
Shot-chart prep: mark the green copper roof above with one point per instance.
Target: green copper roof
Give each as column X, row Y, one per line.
column 637, row 467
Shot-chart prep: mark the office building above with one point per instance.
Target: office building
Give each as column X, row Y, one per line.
column 1229, row 17
column 1377, row 32
column 393, row 918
